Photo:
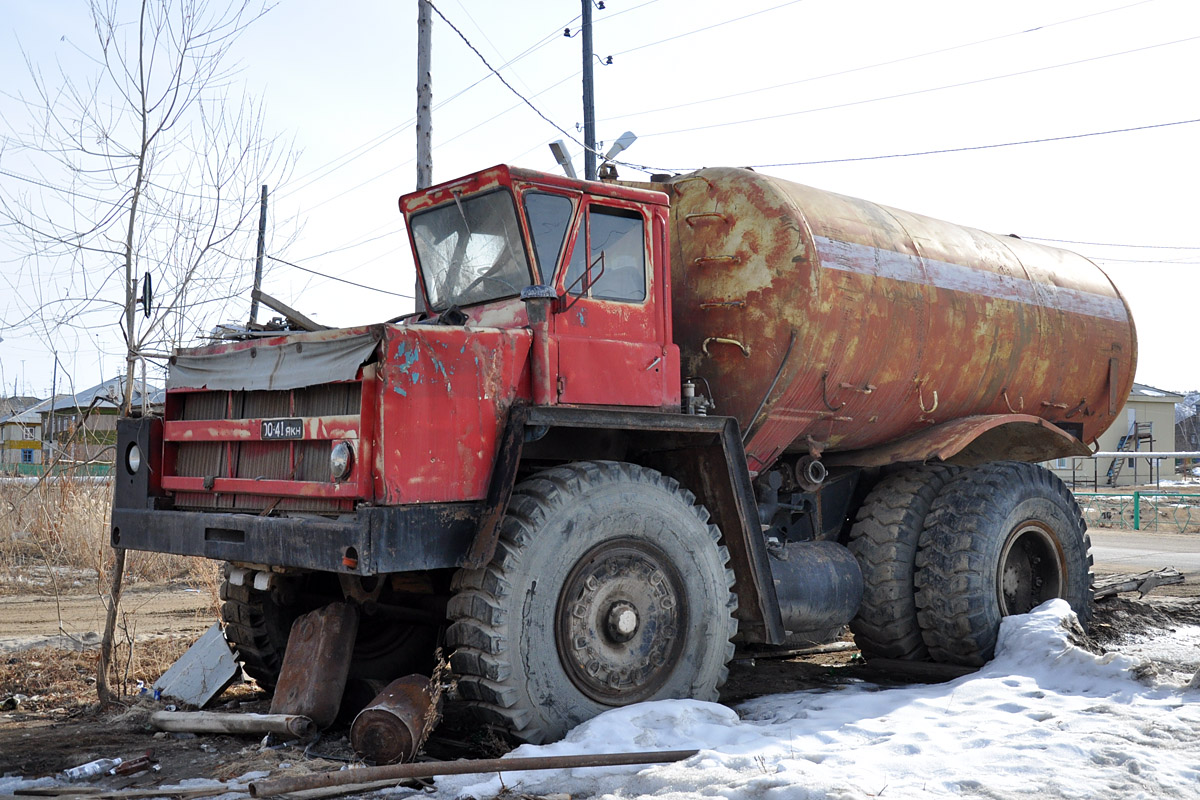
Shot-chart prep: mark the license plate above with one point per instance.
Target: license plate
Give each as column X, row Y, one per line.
column 276, row 429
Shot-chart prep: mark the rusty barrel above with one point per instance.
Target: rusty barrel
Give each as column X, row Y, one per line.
column 820, row 320
column 394, row 726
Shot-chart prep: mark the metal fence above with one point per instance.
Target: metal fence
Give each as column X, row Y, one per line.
column 96, row 469
column 1171, row 512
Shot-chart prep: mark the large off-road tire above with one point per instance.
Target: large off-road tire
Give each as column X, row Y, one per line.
column 1000, row 539
column 257, row 628
column 257, row 625
column 884, row 539
column 607, row 588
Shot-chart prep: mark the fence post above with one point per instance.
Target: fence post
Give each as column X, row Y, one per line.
column 1137, row 511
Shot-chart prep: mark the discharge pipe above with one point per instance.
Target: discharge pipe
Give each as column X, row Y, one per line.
column 539, row 301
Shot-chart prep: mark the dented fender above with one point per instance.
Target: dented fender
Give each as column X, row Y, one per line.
column 972, row 440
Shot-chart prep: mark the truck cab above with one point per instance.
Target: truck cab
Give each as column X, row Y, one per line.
column 600, row 252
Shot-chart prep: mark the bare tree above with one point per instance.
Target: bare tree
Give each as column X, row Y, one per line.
column 147, row 164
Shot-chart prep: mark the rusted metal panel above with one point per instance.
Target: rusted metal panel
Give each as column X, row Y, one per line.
column 443, row 395
column 972, row 440
column 899, row 321
column 316, row 664
column 504, row 175
column 504, row 477
column 618, row 353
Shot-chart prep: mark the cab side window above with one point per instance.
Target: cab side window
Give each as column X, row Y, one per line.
column 549, row 218
column 616, row 256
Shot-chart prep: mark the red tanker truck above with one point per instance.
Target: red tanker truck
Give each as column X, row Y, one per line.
column 637, row 426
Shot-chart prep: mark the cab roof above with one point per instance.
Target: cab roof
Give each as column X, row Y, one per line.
column 505, row 175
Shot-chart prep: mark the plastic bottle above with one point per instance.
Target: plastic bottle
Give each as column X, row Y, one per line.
column 90, row 769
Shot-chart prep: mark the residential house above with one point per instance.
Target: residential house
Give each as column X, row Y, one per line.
column 20, row 435
column 1146, row 423
column 80, row 430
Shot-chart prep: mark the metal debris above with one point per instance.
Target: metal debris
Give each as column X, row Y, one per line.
column 201, row 673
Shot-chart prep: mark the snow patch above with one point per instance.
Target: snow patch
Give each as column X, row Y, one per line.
column 1045, row 718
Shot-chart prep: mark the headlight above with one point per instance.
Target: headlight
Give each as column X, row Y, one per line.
column 133, row 459
column 341, row 458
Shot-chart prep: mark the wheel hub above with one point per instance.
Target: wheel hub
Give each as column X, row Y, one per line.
column 622, row 622
column 1031, row 571
column 619, row 621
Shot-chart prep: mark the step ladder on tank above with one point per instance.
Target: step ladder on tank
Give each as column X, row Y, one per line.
column 1132, row 442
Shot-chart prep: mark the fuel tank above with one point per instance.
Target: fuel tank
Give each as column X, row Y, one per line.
column 829, row 324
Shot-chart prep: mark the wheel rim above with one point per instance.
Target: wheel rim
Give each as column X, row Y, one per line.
column 619, row 621
column 1032, row 569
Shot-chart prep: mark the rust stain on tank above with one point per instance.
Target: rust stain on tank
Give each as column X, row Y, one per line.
column 875, row 295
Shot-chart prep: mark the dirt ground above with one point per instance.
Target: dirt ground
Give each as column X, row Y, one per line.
column 49, row 719
column 75, row 619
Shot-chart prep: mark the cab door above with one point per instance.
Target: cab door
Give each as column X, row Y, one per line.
column 610, row 327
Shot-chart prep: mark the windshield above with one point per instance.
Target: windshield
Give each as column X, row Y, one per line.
column 471, row 251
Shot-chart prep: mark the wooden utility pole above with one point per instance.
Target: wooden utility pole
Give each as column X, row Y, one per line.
column 258, row 261
column 424, row 122
column 589, row 104
column 424, row 95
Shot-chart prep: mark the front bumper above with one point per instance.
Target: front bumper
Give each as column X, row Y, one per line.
column 373, row 541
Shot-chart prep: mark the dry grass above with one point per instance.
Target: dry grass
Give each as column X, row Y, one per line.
column 55, row 533
column 52, row 678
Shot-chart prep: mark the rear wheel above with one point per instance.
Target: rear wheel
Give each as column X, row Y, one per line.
column 884, row 541
column 257, row 628
column 1001, row 539
column 607, row 588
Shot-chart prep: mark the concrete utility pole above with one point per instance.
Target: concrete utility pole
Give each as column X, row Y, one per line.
column 589, row 104
column 424, row 95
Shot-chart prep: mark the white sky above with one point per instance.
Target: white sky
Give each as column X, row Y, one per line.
column 338, row 78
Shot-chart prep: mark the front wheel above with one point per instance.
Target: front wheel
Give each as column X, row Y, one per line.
column 607, row 588
column 1001, row 539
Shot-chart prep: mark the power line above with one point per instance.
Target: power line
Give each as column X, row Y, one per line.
column 121, row 203
column 343, row 248
column 1139, row 260
column 341, row 280
column 917, row 91
column 707, row 27
column 1111, row 244
column 873, row 66
column 975, row 147
column 371, row 144
column 508, row 85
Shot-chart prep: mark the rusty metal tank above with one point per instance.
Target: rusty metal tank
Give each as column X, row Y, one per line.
column 829, row 324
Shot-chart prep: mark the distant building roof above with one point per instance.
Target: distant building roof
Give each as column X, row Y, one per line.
column 17, row 409
column 1149, row 392
column 26, row 417
column 107, row 394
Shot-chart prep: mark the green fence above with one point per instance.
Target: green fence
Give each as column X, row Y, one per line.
column 1142, row 511
column 97, row 470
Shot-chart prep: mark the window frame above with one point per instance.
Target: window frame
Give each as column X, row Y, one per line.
column 531, row 264
column 583, row 231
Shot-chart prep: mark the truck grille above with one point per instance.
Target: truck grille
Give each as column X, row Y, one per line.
column 289, row 460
